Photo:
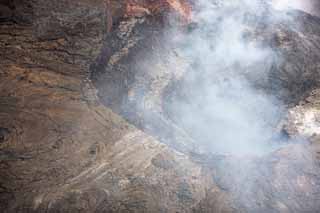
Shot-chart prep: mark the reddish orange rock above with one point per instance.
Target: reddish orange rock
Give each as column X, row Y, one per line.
column 136, row 10
column 182, row 7
column 140, row 8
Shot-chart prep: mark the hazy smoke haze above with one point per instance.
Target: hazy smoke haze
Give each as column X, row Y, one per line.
column 310, row 6
column 224, row 112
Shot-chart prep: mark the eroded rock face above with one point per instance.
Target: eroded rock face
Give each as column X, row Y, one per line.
column 63, row 148
column 303, row 119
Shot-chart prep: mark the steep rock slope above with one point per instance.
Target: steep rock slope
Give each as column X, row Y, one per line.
column 61, row 150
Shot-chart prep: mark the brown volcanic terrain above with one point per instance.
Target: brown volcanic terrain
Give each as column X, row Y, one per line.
column 71, row 144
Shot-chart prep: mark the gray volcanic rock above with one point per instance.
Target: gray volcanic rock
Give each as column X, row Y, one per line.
column 296, row 40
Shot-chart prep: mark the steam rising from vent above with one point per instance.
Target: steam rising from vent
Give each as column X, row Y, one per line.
column 310, row 6
column 224, row 111
column 285, row 4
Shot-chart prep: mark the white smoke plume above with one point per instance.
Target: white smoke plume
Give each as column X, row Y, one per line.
column 309, row 6
column 225, row 112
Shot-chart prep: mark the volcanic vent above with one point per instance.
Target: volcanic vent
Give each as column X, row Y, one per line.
column 158, row 106
column 234, row 70
column 219, row 89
